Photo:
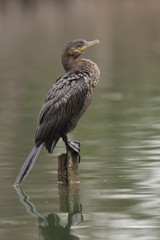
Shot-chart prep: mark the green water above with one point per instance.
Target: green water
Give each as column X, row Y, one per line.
column 119, row 190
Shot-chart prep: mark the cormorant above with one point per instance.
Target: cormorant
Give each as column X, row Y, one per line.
column 65, row 103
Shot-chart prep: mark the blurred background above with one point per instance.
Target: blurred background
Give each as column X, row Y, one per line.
column 119, row 134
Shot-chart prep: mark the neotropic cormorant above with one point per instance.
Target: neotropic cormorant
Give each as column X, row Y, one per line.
column 65, row 103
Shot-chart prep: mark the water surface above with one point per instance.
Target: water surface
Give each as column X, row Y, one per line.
column 119, row 188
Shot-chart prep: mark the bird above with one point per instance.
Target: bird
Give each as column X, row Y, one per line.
column 65, row 103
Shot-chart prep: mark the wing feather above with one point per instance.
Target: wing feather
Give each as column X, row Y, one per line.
column 63, row 102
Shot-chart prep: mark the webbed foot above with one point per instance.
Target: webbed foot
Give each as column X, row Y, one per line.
column 74, row 146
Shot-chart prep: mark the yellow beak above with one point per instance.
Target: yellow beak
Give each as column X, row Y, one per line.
column 88, row 44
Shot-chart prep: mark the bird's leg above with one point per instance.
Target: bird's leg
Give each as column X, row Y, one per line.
column 75, row 146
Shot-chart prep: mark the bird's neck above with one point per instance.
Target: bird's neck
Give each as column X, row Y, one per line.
column 87, row 65
column 69, row 63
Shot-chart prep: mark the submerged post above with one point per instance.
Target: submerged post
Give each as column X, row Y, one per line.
column 68, row 178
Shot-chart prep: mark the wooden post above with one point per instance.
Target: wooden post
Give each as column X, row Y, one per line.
column 68, row 167
column 62, row 169
column 72, row 167
column 68, row 178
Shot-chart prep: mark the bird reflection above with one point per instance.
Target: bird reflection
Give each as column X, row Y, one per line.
column 49, row 227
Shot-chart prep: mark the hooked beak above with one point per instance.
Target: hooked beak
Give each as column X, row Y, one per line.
column 88, row 44
column 91, row 43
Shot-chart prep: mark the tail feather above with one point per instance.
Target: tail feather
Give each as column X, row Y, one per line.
column 50, row 145
column 29, row 163
column 53, row 145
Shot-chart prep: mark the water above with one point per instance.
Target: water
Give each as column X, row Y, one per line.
column 119, row 188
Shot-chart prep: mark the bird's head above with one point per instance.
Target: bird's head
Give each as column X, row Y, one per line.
column 73, row 50
column 76, row 47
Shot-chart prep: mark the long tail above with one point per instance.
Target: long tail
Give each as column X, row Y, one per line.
column 29, row 163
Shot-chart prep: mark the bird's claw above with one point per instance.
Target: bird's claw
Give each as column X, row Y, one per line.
column 75, row 146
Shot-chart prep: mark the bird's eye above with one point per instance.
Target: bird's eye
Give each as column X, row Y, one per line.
column 79, row 44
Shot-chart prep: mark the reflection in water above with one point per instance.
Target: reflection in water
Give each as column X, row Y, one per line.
column 120, row 134
column 49, row 227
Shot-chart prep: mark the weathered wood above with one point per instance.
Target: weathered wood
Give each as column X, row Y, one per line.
column 68, row 167
column 62, row 168
column 72, row 167
column 68, row 178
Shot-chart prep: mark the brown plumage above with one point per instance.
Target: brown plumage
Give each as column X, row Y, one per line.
column 65, row 103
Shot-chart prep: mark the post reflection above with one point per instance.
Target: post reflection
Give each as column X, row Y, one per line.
column 50, row 227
